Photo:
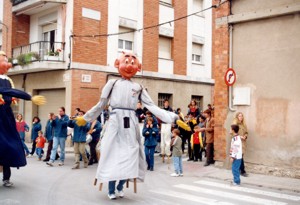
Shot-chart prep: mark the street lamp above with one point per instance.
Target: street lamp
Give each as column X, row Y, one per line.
column 1, row 22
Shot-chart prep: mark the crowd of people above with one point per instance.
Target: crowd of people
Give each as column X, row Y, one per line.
column 196, row 129
column 56, row 132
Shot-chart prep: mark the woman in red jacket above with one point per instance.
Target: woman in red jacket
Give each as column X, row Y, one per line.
column 22, row 127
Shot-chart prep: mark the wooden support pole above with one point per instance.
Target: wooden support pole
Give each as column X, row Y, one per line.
column 95, row 182
column 134, row 185
column 100, row 187
column 127, row 183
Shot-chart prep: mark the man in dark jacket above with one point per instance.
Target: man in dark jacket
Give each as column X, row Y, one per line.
column 60, row 125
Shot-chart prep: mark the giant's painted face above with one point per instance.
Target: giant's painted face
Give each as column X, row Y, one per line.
column 4, row 65
column 128, row 65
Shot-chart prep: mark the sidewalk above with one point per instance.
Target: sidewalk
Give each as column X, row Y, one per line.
column 267, row 181
column 258, row 180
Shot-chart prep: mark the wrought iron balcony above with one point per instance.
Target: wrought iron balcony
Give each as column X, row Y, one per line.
column 38, row 51
column 16, row 2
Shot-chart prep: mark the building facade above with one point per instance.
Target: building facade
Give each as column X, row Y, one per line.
column 57, row 53
column 260, row 41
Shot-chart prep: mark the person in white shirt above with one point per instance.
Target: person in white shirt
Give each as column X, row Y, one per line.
column 236, row 154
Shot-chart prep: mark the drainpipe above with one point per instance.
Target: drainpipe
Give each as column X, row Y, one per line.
column 230, row 66
column 24, row 89
column 70, row 51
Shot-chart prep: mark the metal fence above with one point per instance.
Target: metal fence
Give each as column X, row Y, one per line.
column 16, row 2
column 42, row 51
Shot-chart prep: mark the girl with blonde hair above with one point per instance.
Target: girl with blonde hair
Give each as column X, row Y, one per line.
column 243, row 132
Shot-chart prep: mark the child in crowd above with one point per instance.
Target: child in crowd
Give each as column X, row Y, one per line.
column 176, row 153
column 79, row 140
column 40, row 143
column 150, row 132
column 236, row 154
column 197, row 144
column 202, row 124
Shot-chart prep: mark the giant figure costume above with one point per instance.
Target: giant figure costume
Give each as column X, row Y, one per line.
column 122, row 153
column 11, row 148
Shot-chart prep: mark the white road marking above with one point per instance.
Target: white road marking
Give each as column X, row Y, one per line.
column 249, row 190
column 224, row 194
column 200, row 200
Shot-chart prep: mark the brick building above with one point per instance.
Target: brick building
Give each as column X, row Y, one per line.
column 70, row 72
column 260, row 41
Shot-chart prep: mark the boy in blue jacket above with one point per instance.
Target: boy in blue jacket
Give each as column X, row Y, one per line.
column 79, row 140
column 150, row 132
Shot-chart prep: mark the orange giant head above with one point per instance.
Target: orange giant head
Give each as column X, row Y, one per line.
column 4, row 65
column 128, row 65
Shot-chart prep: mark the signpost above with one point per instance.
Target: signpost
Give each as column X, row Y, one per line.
column 230, row 77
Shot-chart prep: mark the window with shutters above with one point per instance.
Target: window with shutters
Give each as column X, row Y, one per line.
column 126, row 40
column 198, row 6
column 165, row 47
column 197, row 56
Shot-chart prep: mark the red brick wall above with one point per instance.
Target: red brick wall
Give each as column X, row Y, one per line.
column 18, row 29
column 220, row 63
column 90, row 50
column 150, row 36
column 179, row 46
column 86, row 95
column 7, row 20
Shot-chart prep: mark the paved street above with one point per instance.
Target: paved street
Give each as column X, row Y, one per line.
column 39, row 184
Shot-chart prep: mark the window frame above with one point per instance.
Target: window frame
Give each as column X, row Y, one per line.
column 195, row 54
column 162, row 97
column 124, row 45
column 199, row 101
column 170, row 47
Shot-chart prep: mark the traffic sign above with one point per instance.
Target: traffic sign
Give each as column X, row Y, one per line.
column 230, row 77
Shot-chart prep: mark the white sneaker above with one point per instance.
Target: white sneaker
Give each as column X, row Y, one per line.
column 121, row 194
column 61, row 164
column 7, row 183
column 174, row 175
column 234, row 184
column 111, row 196
column 181, row 175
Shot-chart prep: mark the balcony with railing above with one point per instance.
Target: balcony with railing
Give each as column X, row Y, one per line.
column 30, row 7
column 39, row 55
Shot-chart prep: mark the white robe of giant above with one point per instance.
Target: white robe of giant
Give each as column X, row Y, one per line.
column 122, row 153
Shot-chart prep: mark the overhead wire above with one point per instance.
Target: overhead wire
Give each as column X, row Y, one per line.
column 149, row 27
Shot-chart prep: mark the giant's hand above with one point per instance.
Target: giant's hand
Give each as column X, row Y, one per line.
column 38, row 100
column 80, row 121
column 183, row 125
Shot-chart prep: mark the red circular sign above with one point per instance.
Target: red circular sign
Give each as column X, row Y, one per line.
column 230, row 77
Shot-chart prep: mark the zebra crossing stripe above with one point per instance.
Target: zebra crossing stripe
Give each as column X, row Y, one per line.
column 249, row 190
column 189, row 197
column 229, row 195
